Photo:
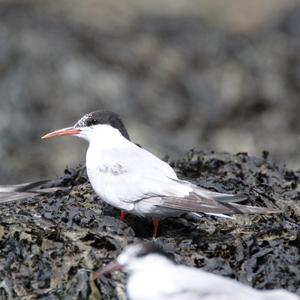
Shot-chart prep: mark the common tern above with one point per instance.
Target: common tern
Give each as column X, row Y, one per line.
column 151, row 275
column 134, row 180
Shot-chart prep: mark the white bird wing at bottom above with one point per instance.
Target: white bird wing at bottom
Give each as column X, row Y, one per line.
column 160, row 279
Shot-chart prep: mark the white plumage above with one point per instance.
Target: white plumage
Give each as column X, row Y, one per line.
column 154, row 276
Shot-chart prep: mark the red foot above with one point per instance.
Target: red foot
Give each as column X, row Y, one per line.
column 122, row 215
column 155, row 227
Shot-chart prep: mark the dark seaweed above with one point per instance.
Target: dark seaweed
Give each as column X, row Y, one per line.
column 49, row 244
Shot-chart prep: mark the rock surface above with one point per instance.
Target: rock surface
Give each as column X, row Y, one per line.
column 50, row 243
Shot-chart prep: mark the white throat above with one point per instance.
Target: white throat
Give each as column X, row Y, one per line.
column 105, row 137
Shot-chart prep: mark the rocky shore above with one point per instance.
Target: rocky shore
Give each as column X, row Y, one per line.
column 50, row 243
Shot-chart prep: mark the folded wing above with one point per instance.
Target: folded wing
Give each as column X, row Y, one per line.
column 196, row 203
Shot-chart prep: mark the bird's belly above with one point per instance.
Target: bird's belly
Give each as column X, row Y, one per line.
column 107, row 189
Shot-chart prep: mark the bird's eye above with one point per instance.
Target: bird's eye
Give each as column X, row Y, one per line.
column 91, row 122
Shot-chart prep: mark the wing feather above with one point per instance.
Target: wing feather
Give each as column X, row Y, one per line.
column 195, row 203
column 14, row 192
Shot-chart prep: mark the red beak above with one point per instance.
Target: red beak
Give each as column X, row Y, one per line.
column 112, row 266
column 61, row 132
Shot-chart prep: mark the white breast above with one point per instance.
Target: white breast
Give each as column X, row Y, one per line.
column 104, row 176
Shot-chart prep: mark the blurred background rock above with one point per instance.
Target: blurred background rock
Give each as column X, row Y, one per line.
column 221, row 75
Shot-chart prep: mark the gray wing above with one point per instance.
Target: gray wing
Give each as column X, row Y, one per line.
column 221, row 197
column 14, row 192
column 201, row 204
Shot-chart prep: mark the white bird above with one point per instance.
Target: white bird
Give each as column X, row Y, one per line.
column 152, row 276
column 134, row 180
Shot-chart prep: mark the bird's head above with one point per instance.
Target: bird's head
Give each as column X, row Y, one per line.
column 91, row 123
column 133, row 258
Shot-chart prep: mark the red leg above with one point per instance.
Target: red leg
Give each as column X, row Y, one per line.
column 155, row 227
column 122, row 215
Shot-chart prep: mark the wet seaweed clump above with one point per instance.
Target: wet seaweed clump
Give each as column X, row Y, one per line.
column 50, row 243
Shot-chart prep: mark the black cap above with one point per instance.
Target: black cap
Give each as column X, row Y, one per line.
column 103, row 117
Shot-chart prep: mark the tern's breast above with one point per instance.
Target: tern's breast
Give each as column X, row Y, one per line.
column 106, row 179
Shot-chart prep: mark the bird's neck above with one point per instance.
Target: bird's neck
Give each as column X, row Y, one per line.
column 107, row 137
